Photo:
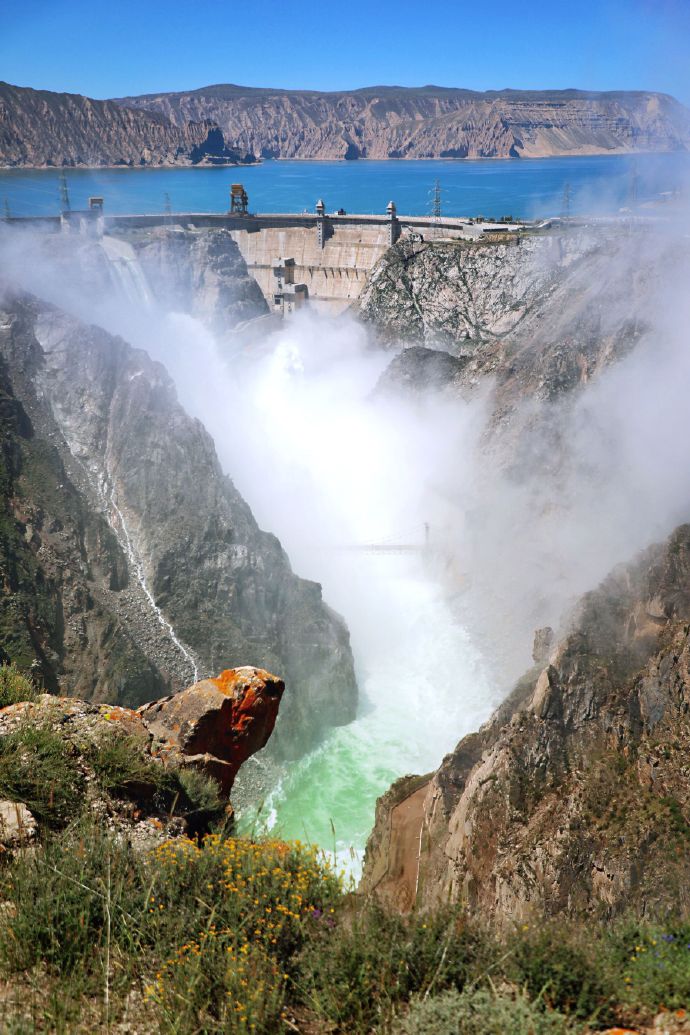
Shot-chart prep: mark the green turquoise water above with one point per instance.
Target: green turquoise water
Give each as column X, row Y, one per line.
column 419, row 697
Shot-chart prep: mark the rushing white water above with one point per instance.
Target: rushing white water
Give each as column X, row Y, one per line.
column 328, row 464
column 423, row 686
column 127, row 271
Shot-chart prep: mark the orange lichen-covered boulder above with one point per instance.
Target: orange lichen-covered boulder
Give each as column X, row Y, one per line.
column 218, row 723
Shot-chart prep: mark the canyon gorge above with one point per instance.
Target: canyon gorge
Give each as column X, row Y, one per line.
column 500, row 393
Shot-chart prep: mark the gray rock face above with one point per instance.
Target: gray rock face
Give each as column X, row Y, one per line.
column 574, row 797
column 68, row 608
column 198, row 272
column 209, row 584
column 201, row 273
column 541, row 318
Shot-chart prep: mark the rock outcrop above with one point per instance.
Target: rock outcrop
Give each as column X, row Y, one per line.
column 200, row 272
column 39, row 128
column 131, row 562
column 574, row 798
column 17, row 826
column 430, row 122
column 540, row 315
column 129, row 765
column 217, row 724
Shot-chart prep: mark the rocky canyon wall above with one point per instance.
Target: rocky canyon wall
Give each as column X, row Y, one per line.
column 139, row 562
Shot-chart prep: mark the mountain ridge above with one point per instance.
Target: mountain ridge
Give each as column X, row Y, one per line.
column 383, row 122
column 225, row 123
column 41, row 128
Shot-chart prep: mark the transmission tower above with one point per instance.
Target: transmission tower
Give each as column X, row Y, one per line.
column 167, row 206
column 634, row 185
column 64, row 193
column 6, row 207
column 436, row 207
column 567, row 196
column 437, row 200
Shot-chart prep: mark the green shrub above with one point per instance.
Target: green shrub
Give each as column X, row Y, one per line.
column 483, row 1012
column 652, row 965
column 197, row 797
column 37, row 768
column 15, row 687
column 209, row 932
column 555, row 962
column 354, row 975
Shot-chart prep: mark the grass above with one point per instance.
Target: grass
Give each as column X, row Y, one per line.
column 216, row 934
column 208, row 934
column 235, row 936
column 38, row 769
column 358, row 974
column 14, row 686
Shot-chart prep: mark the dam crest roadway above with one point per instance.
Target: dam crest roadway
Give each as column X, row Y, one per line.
column 322, row 258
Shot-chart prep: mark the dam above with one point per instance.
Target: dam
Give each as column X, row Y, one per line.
column 321, row 258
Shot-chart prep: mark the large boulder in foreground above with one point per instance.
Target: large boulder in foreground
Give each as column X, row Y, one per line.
column 216, row 724
column 138, row 770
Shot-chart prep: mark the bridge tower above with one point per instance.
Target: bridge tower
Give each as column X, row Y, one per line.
column 393, row 224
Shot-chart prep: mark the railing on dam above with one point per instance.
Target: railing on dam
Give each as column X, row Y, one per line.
column 254, row 222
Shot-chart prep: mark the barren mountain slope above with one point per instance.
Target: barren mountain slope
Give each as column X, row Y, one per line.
column 40, row 128
column 430, row 122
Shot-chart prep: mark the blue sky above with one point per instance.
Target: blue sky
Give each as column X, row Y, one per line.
column 107, row 49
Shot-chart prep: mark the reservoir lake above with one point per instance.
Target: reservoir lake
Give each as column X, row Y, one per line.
column 523, row 188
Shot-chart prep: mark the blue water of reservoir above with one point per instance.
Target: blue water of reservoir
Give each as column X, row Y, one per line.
column 523, row 188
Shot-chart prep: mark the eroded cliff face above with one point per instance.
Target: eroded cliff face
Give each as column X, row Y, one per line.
column 574, row 799
column 199, row 272
column 67, row 592
column 39, row 128
column 430, row 122
column 139, row 543
column 172, row 269
column 540, row 315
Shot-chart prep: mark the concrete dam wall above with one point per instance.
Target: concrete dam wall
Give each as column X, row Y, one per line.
column 320, row 258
